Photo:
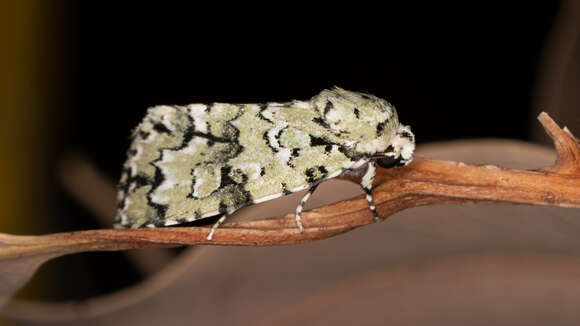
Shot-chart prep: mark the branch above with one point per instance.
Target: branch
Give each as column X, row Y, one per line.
column 424, row 182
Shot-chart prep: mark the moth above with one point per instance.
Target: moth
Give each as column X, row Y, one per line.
column 197, row 161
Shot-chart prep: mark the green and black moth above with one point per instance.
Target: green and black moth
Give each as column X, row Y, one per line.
column 197, row 161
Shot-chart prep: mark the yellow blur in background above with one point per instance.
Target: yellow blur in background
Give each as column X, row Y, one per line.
column 21, row 113
column 22, row 118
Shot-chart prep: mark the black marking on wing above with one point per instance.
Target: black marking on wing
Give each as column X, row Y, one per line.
column 318, row 141
column 231, row 150
column 241, row 111
column 161, row 128
column 225, row 178
column 241, row 196
column 294, row 154
column 123, row 186
column 263, row 108
column 233, row 192
column 232, row 133
column 279, row 135
column 210, row 142
column 193, row 181
column 310, row 178
column 285, row 190
column 140, row 180
column 262, row 171
column 157, row 180
column 315, row 174
column 187, row 135
column 356, row 113
column 267, row 139
column 211, row 138
column 244, row 176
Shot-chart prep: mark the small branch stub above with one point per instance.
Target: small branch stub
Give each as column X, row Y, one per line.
column 567, row 147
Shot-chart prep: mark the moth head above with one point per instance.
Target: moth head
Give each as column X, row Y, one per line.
column 399, row 151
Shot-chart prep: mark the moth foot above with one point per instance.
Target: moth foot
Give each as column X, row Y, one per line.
column 210, row 235
column 215, row 226
column 299, row 225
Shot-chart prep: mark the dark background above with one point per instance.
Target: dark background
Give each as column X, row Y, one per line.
column 451, row 73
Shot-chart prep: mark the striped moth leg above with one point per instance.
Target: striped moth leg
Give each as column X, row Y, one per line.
column 301, row 206
column 367, row 185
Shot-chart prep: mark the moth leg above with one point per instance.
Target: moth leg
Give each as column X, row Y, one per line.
column 367, row 185
column 301, row 206
column 216, row 225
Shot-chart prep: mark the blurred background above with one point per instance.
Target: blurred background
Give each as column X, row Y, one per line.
column 77, row 76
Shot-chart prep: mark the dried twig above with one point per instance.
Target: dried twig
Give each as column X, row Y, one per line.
column 423, row 182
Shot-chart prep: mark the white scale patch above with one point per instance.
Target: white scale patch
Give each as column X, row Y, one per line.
column 273, row 133
column 197, row 113
column 191, row 162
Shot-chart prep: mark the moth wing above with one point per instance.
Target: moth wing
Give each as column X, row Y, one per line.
column 307, row 117
column 175, row 160
column 197, row 161
column 295, row 150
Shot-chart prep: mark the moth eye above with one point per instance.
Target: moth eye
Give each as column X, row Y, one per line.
column 390, row 162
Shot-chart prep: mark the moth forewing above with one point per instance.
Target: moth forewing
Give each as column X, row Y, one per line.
column 191, row 162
